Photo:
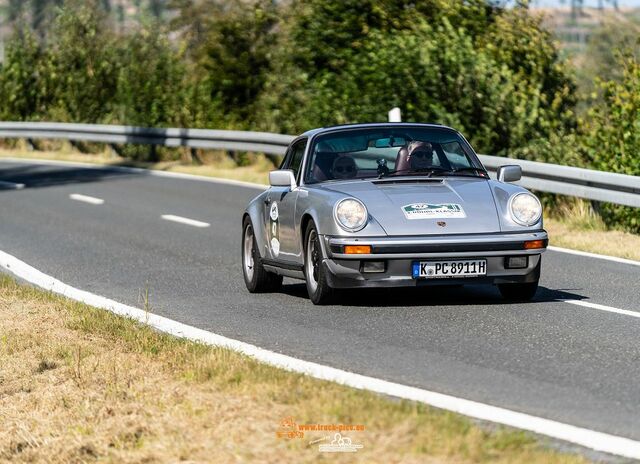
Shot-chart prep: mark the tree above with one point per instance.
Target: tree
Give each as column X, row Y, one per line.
column 15, row 9
column 84, row 60
column 42, row 13
column 232, row 42
column 157, row 7
column 25, row 79
column 492, row 72
column 193, row 20
column 150, row 80
column 611, row 135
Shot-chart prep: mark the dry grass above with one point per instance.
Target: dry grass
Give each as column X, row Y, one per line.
column 79, row 384
column 575, row 225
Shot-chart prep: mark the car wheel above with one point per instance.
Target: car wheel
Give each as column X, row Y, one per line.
column 319, row 290
column 257, row 279
column 521, row 292
column 518, row 292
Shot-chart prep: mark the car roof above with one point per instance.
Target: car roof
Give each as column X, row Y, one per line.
column 372, row 125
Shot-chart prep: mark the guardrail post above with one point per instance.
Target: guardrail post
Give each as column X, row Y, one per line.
column 113, row 150
column 194, row 156
column 153, row 154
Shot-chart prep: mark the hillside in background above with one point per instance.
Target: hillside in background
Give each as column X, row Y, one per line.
column 574, row 32
column 38, row 14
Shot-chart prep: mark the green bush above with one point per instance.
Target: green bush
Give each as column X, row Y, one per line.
column 611, row 140
column 25, row 79
column 85, row 64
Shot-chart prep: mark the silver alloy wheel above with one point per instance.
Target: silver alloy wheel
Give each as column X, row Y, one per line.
column 312, row 262
column 248, row 253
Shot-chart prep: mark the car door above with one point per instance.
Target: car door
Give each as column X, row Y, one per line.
column 280, row 207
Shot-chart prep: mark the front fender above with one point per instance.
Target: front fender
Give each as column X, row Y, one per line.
column 318, row 204
column 255, row 211
column 502, row 192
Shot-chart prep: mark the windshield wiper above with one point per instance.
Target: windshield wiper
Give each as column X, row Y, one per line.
column 483, row 173
column 430, row 170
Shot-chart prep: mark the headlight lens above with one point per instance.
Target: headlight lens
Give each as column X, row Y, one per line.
column 525, row 209
column 351, row 214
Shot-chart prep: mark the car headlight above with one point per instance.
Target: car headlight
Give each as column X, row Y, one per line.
column 351, row 214
column 525, row 209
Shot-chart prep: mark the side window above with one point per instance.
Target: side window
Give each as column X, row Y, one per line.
column 296, row 157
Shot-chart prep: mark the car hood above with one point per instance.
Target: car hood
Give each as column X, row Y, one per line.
column 459, row 205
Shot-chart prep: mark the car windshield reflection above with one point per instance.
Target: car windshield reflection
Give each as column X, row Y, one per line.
column 378, row 153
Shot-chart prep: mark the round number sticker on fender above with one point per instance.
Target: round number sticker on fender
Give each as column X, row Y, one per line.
column 274, row 229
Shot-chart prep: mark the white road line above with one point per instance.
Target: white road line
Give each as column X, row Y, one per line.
column 609, row 309
column 11, row 185
column 184, row 220
column 595, row 255
column 86, row 199
column 588, row 438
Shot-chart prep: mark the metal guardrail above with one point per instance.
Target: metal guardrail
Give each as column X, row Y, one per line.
column 544, row 177
column 595, row 185
column 262, row 142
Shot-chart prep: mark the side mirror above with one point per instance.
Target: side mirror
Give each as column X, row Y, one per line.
column 282, row 178
column 509, row 173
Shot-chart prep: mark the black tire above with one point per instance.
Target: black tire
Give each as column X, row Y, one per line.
column 518, row 292
column 320, row 293
column 256, row 278
column 523, row 291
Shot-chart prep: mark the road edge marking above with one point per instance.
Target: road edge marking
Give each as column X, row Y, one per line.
column 588, row 254
column 591, row 439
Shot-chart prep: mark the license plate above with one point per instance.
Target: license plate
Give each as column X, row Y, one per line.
column 449, row 269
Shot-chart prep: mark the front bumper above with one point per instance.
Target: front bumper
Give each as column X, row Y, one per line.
column 399, row 253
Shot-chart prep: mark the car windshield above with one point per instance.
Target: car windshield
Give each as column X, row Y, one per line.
column 393, row 151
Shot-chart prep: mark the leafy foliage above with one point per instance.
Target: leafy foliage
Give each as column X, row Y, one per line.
column 25, row 79
column 611, row 139
column 84, row 63
column 149, row 80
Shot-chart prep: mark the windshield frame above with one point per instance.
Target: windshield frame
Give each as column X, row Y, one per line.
column 305, row 178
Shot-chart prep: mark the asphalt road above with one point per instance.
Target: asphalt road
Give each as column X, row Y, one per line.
column 548, row 358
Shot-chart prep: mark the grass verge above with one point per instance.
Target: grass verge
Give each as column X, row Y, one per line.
column 571, row 225
column 575, row 225
column 79, row 384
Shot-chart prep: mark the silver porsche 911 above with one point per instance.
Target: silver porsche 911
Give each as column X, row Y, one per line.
column 391, row 205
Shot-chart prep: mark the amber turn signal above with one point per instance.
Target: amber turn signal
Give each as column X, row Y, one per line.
column 357, row 249
column 533, row 244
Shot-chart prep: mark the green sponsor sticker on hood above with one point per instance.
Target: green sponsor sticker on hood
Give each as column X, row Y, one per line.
column 433, row 211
